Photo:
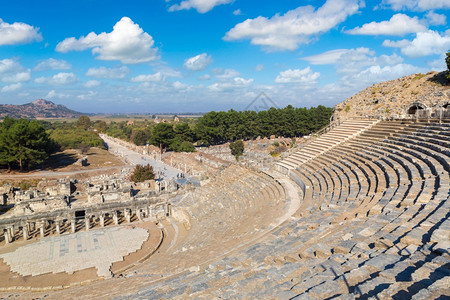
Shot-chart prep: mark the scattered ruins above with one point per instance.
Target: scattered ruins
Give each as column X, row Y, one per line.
column 358, row 210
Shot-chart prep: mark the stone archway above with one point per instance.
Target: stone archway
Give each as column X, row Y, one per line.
column 413, row 108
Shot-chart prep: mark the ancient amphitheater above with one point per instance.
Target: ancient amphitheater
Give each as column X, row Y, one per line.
column 360, row 211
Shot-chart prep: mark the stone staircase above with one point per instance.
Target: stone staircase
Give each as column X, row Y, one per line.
column 326, row 141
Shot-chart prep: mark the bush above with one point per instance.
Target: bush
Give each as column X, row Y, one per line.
column 142, row 173
column 237, row 148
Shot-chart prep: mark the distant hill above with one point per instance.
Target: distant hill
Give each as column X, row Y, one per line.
column 37, row 109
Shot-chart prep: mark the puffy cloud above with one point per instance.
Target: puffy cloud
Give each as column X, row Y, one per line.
column 18, row 77
column 58, row 79
column 225, row 73
column 12, row 87
column 92, row 83
column 348, row 61
column 436, row 19
column 127, row 43
column 18, row 33
column 237, row 12
column 103, row 72
column 12, row 71
column 180, row 86
column 425, row 43
column 419, row 5
column 377, row 73
column 304, row 76
column 230, row 84
column 53, row 64
column 202, row 6
column 204, row 77
column 157, row 77
column 53, row 94
column 288, row 31
column 399, row 24
column 198, row 62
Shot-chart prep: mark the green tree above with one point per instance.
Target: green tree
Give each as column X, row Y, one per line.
column 101, row 126
column 162, row 135
column 180, row 145
column 24, row 142
column 237, row 148
column 84, row 122
column 447, row 61
column 139, row 137
column 142, row 173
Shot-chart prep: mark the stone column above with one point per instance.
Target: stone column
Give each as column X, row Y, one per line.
column 150, row 212
column 72, row 225
column 41, row 229
column 6, row 234
column 116, row 218
column 25, row 232
column 102, row 220
column 127, row 215
column 167, row 209
column 58, row 227
column 139, row 214
column 87, row 223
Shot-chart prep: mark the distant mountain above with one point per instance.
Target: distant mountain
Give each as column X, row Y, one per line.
column 37, row 109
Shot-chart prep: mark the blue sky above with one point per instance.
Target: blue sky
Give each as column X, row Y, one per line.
column 201, row 55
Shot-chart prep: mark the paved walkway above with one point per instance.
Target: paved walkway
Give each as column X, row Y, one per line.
column 68, row 253
column 135, row 158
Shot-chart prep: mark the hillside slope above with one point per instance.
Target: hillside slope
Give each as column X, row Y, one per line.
column 393, row 98
column 37, row 109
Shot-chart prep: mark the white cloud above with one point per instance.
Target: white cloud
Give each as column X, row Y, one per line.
column 436, row 19
column 89, row 95
column 12, row 87
column 204, row 77
column 58, row 79
column 202, row 6
column 12, row 71
column 53, row 64
column 103, row 72
column 399, row 24
column 198, row 62
column 237, row 12
column 18, row 33
column 53, row 94
column 377, row 73
column 157, row 77
column 230, row 84
column 425, row 43
column 288, row 31
column 225, row 73
column 127, row 43
column 349, row 62
column 92, row 83
column 259, row 67
column 304, row 76
column 179, row 86
column 419, row 5
column 18, row 77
